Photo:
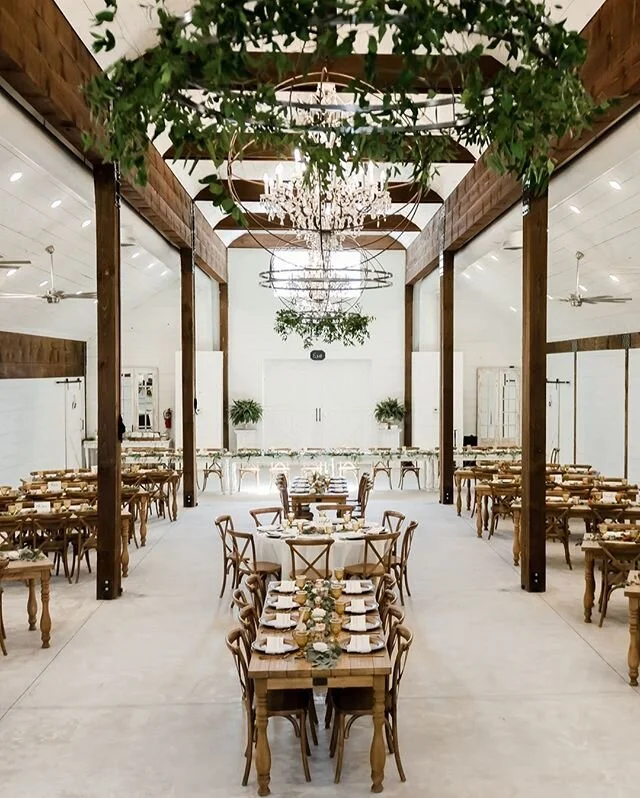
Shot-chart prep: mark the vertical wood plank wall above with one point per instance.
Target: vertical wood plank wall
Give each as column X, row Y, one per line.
column 25, row 356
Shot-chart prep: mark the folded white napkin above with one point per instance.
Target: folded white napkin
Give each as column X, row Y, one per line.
column 358, row 606
column 42, row 507
column 359, row 644
column 269, row 528
column 358, row 623
column 609, row 496
column 287, row 586
column 353, row 586
column 283, row 603
column 55, row 486
column 283, row 620
column 275, row 645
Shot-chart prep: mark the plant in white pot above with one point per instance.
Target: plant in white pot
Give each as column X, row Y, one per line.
column 244, row 415
column 389, row 413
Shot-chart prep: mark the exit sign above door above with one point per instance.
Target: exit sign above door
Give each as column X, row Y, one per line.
column 317, row 354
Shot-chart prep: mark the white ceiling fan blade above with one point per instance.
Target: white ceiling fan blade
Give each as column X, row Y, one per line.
column 9, row 264
column 612, row 300
column 20, row 296
column 78, row 295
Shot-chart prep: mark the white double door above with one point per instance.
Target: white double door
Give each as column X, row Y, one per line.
column 318, row 404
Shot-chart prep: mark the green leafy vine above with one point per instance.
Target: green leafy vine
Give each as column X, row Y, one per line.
column 350, row 328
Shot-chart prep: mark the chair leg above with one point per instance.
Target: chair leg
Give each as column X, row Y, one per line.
column 406, row 579
column 313, row 719
column 225, row 571
column 567, row 555
column 340, row 721
column 248, row 752
column 304, row 745
column 3, row 634
column 399, row 583
column 328, row 710
column 396, row 747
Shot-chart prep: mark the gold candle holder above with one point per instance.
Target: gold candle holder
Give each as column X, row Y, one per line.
column 305, row 614
column 301, row 636
column 300, row 597
column 339, row 574
column 340, row 607
column 335, row 591
column 335, row 625
column 300, row 582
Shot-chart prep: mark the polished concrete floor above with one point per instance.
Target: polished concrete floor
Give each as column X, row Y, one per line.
column 506, row 694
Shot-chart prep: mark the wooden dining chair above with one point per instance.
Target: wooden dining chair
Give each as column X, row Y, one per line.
column 290, row 704
column 620, row 557
column 3, row 634
column 408, row 467
column 244, row 553
column 392, row 520
column 211, row 469
column 400, row 561
column 224, row 523
column 382, row 467
column 377, row 556
column 337, row 508
column 302, row 563
column 352, row 703
column 257, row 589
column 239, row 599
column 263, row 516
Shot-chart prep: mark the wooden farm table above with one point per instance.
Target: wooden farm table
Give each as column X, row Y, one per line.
column 486, row 491
column 633, row 594
column 299, row 499
column 592, row 515
column 154, row 481
column 29, row 572
column 290, row 673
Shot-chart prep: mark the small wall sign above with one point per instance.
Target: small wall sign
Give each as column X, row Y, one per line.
column 318, row 354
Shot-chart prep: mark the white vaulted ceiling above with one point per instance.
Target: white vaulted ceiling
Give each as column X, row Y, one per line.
column 29, row 223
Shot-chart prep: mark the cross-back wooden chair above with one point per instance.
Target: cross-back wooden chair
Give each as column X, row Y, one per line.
column 382, row 467
column 408, row 467
column 620, row 557
column 244, row 553
column 250, row 621
column 229, row 563
column 256, row 587
column 356, row 702
column 386, row 583
column 290, row 704
column 212, row 468
column 392, row 520
column 338, row 509
column 263, row 516
column 303, row 562
column 400, row 562
column 378, row 550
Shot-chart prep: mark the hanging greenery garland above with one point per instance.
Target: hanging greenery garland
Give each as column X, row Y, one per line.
column 348, row 327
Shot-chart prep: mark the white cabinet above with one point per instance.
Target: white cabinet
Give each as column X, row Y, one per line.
column 498, row 402
column 425, row 417
column 208, row 400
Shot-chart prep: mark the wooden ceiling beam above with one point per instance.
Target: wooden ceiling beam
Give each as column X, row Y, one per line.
column 44, row 60
column 259, row 221
column 458, row 153
column 251, row 191
column 372, row 242
column 612, row 70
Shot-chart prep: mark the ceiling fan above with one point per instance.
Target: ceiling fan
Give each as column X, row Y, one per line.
column 577, row 300
column 11, row 264
column 53, row 295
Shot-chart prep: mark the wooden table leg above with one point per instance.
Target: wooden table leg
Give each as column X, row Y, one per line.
column 589, row 585
column 516, row 537
column 459, row 494
column 478, row 516
column 174, row 499
column 32, row 605
column 377, row 743
column 144, row 514
column 634, row 647
column 45, row 617
column 485, row 512
column 124, row 554
column 469, row 495
column 263, row 752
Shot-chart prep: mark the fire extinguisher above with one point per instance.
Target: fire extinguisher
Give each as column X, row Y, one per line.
column 167, row 415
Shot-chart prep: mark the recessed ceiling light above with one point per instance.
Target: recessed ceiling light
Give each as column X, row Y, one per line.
column 494, row 257
column 15, row 177
column 95, row 301
column 468, row 276
column 549, row 296
column 135, row 255
column 151, row 265
column 583, row 288
column 56, row 203
column 165, row 272
column 614, row 278
column 515, row 310
column 86, row 223
column 43, row 283
column 574, row 209
column 479, row 267
column 78, row 293
column 11, row 272
column 615, row 185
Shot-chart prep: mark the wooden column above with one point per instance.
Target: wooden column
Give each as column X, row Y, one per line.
column 224, row 348
column 107, row 199
column 188, row 326
column 626, row 408
column 534, row 391
column 408, row 363
column 446, row 377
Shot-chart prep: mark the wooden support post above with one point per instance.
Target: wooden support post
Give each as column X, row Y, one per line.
column 446, row 377
column 534, row 391
column 188, row 319
column 408, row 363
column 107, row 199
column 224, row 348
column 626, row 408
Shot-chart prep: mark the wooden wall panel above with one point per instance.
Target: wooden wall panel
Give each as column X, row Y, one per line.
column 25, row 356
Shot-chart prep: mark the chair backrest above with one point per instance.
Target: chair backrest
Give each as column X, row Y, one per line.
column 393, row 520
column 393, row 619
column 387, row 598
column 339, row 509
column 224, row 524
column 284, row 495
column 403, row 640
column 407, row 465
column 239, row 599
column 250, row 620
column 555, row 456
column 364, row 495
column 266, row 515
column 239, row 647
column 621, row 556
column 303, row 563
column 378, row 550
column 407, row 541
column 256, row 586
column 243, row 550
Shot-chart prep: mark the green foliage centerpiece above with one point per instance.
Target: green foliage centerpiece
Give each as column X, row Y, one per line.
column 320, row 622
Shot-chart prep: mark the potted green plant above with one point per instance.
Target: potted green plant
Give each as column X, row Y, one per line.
column 244, row 415
column 389, row 413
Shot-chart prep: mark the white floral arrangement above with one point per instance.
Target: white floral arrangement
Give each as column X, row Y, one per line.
column 318, row 482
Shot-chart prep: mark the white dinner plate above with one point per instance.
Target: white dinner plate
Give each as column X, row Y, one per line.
column 270, row 622
column 377, row 644
column 261, row 646
column 366, row 587
column 371, row 625
column 288, row 605
column 369, row 606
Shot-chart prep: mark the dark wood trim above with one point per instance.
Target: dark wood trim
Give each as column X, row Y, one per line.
column 408, row 366
column 224, row 348
column 446, row 376
column 395, row 222
column 626, row 412
column 25, row 356
column 188, row 349
column 611, row 72
column 534, row 393
column 107, row 198
column 371, row 242
column 596, row 343
column 575, row 406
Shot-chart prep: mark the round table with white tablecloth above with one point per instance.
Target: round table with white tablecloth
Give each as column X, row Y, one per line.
column 347, row 549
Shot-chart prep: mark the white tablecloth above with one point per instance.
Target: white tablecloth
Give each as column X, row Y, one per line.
column 343, row 552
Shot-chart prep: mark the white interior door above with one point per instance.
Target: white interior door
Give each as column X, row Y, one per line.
column 426, row 399
column 73, row 422
column 346, row 407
